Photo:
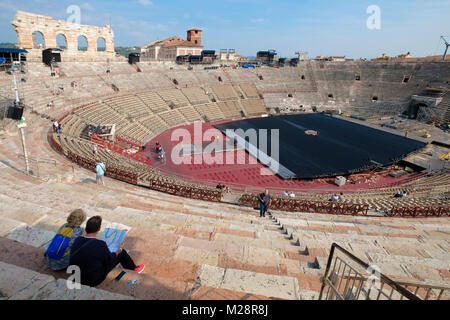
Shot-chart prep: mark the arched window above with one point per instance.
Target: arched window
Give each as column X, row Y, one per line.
column 101, row 44
column 61, row 41
column 82, row 43
column 38, row 40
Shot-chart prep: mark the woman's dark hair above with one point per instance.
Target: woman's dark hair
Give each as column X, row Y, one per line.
column 93, row 224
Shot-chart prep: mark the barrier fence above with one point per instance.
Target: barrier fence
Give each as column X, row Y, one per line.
column 116, row 148
column 293, row 205
column 185, row 191
column 417, row 212
column 55, row 144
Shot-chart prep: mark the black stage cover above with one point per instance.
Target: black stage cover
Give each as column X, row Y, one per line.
column 316, row 145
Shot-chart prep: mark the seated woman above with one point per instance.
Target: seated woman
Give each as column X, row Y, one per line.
column 65, row 237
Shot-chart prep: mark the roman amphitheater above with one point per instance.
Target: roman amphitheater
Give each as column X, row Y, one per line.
column 196, row 241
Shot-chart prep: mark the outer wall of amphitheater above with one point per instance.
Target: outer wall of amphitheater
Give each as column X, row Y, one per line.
column 26, row 24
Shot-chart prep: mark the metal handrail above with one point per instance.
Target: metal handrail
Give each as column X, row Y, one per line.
column 396, row 286
column 48, row 160
column 406, row 284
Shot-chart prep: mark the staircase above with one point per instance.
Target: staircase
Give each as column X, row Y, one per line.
column 198, row 250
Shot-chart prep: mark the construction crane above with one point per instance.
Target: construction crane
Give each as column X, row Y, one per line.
column 446, row 47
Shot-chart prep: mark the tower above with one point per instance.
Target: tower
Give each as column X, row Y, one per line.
column 195, row 36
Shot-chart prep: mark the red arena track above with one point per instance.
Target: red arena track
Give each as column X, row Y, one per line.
column 248, row 177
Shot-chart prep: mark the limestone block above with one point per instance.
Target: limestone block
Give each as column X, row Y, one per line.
column 57, row 290
column 9, row 225
column 20, row 284
column 251, row 282
column 197, row 256
column 31, row 236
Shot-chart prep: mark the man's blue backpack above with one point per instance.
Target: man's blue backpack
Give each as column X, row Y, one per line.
column 58, row 247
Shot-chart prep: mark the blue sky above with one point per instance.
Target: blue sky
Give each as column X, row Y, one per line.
column 317, row 27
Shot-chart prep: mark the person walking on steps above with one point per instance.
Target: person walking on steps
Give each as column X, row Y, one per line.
column 264, row 203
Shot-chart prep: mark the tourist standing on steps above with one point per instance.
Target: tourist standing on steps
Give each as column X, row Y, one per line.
column 100, row 173
column 264, row 203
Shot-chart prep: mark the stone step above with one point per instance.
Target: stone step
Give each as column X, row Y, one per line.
column 210, row 293
column 18, row 283
column 32, row 236
column 9, row 225
column 281, row 287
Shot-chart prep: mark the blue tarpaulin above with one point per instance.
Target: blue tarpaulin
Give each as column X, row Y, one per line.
column 2, row 60
column 12, row 50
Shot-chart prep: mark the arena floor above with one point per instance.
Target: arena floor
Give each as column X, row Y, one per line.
column 248, row 176
column 315, row 145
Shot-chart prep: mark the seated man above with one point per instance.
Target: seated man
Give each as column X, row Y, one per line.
column 93, row 257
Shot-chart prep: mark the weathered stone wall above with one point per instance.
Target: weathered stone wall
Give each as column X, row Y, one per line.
column 27, row 23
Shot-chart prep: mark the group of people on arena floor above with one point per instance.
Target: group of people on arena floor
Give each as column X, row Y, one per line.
column 160, row 151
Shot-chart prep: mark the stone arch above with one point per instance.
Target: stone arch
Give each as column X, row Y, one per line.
column 62, row 41
column 101, row 44
column 110, row 45
column 414, row 109
column 82, row 43
column 38, row 40
column 26, row 24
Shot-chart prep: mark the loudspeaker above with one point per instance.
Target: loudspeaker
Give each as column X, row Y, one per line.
column 15, row 113
column 49, row 56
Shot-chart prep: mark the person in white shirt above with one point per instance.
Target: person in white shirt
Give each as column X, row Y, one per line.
column 292, row 195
